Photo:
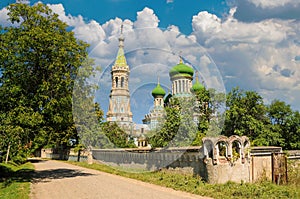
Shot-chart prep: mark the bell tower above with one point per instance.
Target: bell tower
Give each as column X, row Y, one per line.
column 119, row 99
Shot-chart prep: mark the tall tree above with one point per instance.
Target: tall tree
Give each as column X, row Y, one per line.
column 168, row 126
column 39, row 60
column 245, row 114
column 292, row 138
column 284, row 124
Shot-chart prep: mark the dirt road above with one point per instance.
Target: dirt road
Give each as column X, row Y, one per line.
column 54, row 179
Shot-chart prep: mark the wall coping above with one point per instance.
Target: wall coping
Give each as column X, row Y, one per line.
column 157, row 150
column 264, row 150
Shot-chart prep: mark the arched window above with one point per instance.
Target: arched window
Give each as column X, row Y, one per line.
column 122, row 82
column 236, row 149
column 222, row 148
column 117, row 82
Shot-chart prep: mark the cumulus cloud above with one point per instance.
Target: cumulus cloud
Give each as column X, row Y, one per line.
column 209, row 27
column 90, row 32
column 258, row 56
column 146, row 19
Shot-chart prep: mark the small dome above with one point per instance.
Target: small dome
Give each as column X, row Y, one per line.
column 181, row 69
column 197, row 86
column 158, row 91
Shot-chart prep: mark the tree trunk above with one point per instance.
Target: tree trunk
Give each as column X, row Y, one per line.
column 7, row 154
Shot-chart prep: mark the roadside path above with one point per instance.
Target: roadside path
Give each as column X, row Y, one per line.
column 54, row 179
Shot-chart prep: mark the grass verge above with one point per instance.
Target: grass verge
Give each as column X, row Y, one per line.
column 15, row 180
column 195, row 185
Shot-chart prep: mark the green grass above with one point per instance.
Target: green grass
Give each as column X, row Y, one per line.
column 15, row 180
column 195, row 185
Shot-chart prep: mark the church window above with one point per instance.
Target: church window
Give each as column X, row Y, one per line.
column 122, row 82
column 117, row 79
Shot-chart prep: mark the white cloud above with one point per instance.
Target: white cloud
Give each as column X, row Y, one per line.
column 208, row 27
column 69, row 19
column 4, row 17
column 257, row 56
column 23, row 1
column 273, row 3
column 90, row 32
column 146, row 19
column 170, row 1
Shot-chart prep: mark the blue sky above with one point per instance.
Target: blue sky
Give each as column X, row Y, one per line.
column 253, row 44
column 178, row 12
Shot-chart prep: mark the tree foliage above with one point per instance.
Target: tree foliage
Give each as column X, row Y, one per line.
column 118, row 137
column 275, row 124
column 245, row 114
column 39, row 60
column 286, row 123
column 189, row 119
column 169, row 126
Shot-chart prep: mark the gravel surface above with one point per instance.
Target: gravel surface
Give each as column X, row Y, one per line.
column 54, row 179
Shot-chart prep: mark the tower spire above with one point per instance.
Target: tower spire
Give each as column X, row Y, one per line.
column 180, row 58
column 121, row 60
column 121, row 38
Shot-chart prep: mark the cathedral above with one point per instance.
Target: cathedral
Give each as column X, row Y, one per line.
column 181, row 77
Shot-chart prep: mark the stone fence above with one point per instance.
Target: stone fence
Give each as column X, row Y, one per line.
column 221, row 159
column 218, row 160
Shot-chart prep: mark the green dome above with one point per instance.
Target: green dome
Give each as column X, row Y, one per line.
column 158, row 90
column 181, row 69
column 197, row 86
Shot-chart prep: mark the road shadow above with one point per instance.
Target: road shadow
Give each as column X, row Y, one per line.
column 51, row 174
column 35, row 160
